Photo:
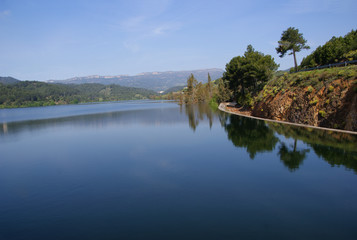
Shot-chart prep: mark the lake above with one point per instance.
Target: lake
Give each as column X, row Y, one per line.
column 157, row 170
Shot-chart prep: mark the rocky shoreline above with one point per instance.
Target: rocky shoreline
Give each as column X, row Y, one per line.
column 241, row 111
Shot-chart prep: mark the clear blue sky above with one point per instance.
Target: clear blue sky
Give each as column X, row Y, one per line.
column 42, row 39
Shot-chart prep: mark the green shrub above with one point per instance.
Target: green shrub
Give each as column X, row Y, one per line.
column 322, row 113
column 331, row 88
column 314, row 101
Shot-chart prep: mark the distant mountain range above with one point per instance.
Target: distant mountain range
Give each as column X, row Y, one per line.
column 157, row 81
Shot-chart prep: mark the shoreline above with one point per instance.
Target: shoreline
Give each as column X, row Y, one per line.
column 223, row 107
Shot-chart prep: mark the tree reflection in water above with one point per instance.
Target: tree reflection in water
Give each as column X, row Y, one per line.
column 197, row 113
column 251, row 134
column 258, row 136
column 338, row 149
column 292, row 159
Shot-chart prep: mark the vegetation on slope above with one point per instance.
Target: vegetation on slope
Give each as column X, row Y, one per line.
column 325, row 98
column 32, row 94
column 337, row 49
column 8, row 80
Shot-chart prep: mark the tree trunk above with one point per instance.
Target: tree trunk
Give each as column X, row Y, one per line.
column 296, row 68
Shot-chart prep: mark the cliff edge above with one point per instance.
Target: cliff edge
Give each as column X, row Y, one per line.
column 323, row 98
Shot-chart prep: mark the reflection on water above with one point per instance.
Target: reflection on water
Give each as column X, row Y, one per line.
column 154, row 116
column 257, row 136
column 292, row 158
column 254, row 136
column 334, row 147
column 197, row 113
column 164, row 171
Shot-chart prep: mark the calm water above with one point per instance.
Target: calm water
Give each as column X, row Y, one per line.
column 155, row 170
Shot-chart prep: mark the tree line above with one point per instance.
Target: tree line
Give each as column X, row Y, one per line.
column 34, row 93
column 245, row 76
column 337, row 49
column 193, row 92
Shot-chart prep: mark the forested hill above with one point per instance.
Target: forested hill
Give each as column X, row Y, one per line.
column 33, row 93
column 8, row 80
column 337, row 49
column 157, row 81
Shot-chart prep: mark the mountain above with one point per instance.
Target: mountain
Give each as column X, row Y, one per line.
column 157, row 81
column 8, row 80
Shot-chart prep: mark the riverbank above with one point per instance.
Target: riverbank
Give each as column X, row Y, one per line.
column 240, row 111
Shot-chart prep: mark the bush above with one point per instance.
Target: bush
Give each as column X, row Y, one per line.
column 314, row 101
column 330, row 88
column 322, row 113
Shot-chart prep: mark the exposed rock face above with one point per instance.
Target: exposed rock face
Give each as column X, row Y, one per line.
column 332, row 106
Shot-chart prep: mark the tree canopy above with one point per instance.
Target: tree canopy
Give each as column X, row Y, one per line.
column 337, row 49
column 291, row 40
column 246, row 75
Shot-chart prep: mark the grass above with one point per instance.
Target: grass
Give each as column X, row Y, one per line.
column 313, row 80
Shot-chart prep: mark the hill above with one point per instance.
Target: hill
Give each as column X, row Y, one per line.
column 337, row 49
column 32, row 93
column 8, row 80
column 325, row 98
column 157, row 81
column 173, row 89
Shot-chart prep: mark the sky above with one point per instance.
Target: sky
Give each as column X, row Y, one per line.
column 43, row 40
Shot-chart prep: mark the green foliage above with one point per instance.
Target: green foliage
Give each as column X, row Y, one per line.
column 291, row 40
column 314, row 78
column 322, row 113
column 33, row 94
column 314, row 101
column 337, row 49
column 331, row 88
column 8, row 80
column 209, row 86
column 196, row 92
column 246, row 75
column 191, row 89
column 213, row 102
column 310, row 89
column 223, row 92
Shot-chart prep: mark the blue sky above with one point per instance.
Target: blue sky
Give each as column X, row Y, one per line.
column 42, row 40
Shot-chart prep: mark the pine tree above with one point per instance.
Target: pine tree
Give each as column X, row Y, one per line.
column 209, row 87
column 191, row 89
column 291, row 40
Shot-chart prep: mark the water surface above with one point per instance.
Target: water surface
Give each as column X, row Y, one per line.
column 155, row 170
